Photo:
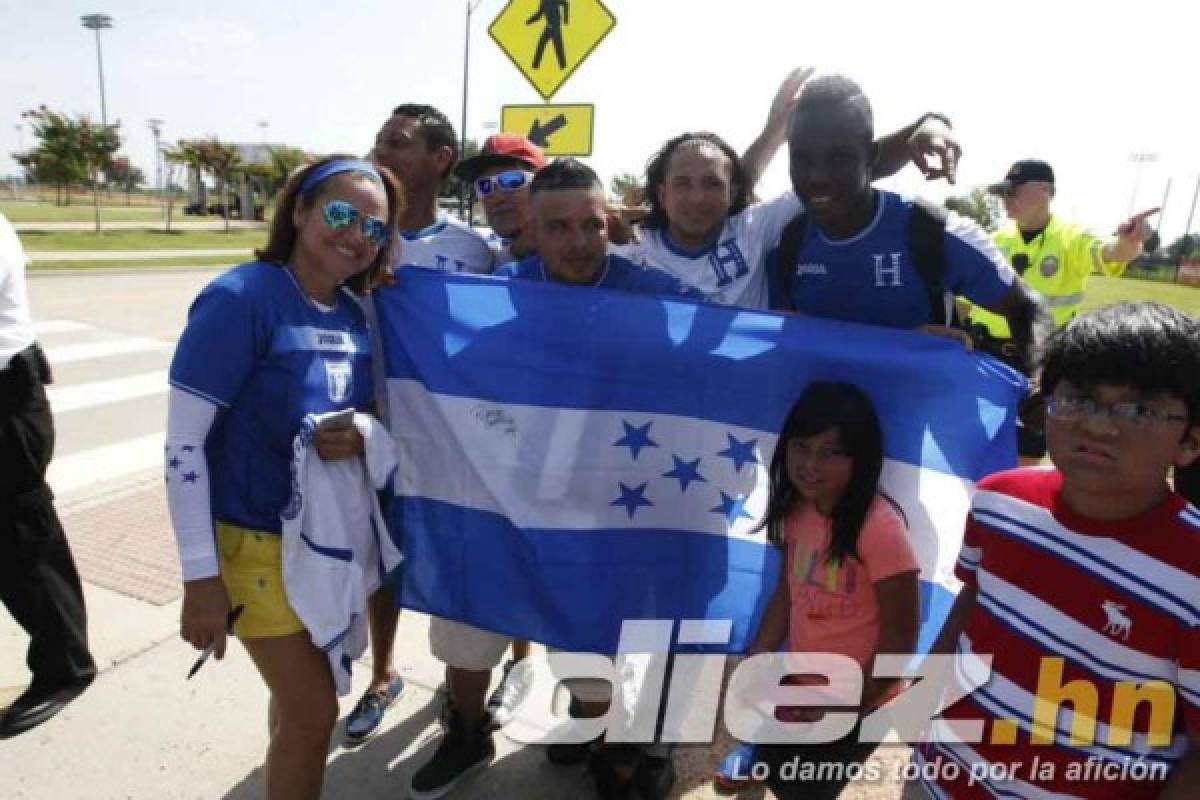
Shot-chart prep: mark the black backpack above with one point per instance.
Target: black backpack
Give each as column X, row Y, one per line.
column 926, row 242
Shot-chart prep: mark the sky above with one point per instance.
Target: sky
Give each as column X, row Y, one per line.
column 1083, row 86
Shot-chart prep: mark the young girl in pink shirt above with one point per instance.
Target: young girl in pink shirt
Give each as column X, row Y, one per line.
column 849, row 584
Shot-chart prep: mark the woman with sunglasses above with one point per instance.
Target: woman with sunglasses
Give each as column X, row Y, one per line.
column 265, row 344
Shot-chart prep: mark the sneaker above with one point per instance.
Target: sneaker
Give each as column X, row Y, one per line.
column 510, row 693
column 654, row 777
column 614, row 769
column 461, row 754
column 363, row 721
column 563, row 753
column 733, row 773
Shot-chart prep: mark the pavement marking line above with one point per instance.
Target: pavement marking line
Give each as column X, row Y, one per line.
column 44, row 327
column 98, row 393
column 78, row 470
column 112, row 347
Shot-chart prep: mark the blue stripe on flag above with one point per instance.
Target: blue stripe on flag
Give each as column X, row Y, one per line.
column 522, row 342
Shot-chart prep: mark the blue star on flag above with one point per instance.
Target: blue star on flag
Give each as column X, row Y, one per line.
column 686, row 472
column 190, row 477
column 174, row 462
column 740, row 453
column 632, row 499
column 732, row 508
column 636, row 438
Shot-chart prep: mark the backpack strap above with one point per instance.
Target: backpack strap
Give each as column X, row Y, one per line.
column 927, row 244
column 780, row 277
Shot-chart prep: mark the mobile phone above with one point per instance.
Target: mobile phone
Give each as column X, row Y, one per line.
column 337, row 420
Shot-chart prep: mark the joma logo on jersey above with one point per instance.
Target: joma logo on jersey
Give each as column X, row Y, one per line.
column 331, row 339
column 338, row 377
column 811, row 269
column 887, row 269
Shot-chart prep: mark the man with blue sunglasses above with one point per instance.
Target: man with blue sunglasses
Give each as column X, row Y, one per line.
column 500, row 176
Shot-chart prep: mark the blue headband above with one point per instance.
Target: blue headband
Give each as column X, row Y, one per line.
column 334, row 167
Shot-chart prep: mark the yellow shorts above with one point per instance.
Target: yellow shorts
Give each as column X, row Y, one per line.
column 252, row 569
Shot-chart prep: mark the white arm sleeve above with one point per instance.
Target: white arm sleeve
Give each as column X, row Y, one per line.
column 189, row 419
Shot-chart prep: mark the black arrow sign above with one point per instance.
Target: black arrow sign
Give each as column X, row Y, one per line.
column 540, row 134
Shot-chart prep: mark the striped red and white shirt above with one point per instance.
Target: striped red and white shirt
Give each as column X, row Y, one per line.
column 1117, row 601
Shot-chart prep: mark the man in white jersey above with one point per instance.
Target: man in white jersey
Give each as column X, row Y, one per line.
column 703, row 227
column 38, row 581
column 419, row 145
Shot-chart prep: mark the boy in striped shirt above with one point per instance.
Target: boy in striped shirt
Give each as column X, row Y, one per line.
column 1082, row 582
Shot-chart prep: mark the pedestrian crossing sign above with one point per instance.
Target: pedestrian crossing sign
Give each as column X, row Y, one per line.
column 547, row 40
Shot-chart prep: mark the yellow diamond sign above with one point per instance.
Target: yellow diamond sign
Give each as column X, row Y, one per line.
column 547, row 40
column 560, row 130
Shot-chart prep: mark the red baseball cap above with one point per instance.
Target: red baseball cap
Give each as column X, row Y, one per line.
column 500, row 149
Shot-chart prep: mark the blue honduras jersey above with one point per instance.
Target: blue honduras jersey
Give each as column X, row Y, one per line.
column 258, row 348
column 619, row 273
column 870, row 277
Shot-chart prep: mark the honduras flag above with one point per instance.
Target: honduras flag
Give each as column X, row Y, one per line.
column 571, row 458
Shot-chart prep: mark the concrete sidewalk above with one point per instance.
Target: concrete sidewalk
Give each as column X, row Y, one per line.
column 143, row 731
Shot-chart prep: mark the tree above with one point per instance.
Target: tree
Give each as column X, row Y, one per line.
column 453, row 186
column 184, row 154
column 284, row 160
column 627, row 189
column 57, row 159
column 124, row 176
column 1186, row 246
column 222, row 161
column 977, row 206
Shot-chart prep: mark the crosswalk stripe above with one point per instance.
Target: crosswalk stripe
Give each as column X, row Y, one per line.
column 43, row 327
column 97, row 393
column 86, row 467
column 111, row 347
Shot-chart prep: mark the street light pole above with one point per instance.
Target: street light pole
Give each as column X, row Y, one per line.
column 156, row 129
column 463, row 191
column 97, row 23
column 1140, row 159
column 262, row 130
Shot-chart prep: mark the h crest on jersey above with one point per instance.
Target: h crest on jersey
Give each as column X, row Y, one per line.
column 727, row 262
column 339, row 377
column 887, row 269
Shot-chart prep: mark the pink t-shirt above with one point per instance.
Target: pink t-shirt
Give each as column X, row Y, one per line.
column 833, row 608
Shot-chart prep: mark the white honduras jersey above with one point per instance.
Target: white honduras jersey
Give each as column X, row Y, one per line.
column 732, row 270
column 447, row 245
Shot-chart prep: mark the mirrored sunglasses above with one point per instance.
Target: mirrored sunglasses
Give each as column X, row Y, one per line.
column 508, row 181
column 340, row 215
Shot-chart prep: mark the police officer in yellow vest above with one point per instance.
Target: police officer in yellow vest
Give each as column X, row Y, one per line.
column 1054, row 257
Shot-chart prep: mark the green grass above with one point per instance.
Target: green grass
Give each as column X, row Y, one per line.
column 48, row 212
column 144, row 239
column 1103, row 291
column 154, row 263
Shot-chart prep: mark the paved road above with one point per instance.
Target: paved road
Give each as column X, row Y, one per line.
column 141, row 731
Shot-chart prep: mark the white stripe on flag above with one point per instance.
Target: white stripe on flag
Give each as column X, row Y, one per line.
column 97, row 393
column 562, row 469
